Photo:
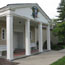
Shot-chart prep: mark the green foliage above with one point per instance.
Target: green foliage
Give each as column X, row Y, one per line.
column 57, row 47
column 61, row 10
column 60, row 61
column 59, row 30
column 53, row 46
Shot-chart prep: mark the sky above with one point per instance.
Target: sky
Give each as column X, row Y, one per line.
column 49, row 6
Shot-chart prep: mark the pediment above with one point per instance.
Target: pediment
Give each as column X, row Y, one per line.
column 26, row 10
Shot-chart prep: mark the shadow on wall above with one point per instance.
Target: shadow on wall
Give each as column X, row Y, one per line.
column 45, row 44
column 53, row 46
column 37, row 45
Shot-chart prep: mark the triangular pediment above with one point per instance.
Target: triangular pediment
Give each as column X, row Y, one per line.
column 25, row 9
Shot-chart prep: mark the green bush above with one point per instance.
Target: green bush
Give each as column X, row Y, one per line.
column 54, row 46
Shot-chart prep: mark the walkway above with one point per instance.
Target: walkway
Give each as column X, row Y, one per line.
column 45, row 58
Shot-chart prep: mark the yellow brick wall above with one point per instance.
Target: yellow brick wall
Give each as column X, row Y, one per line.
column 32, row 34
column 53, row 38
column 2, row 25
column 44, row 33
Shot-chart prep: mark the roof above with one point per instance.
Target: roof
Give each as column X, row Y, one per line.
column 18, row 5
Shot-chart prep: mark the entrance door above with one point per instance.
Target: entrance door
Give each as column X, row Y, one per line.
column 18, row 40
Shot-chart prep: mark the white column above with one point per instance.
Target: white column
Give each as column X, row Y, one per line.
column 40, row 37
column 27, row 37
column 9, row 28
column 48, row 38
column 36, row 37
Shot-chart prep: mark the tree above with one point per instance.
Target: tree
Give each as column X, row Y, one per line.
column 59, row 31
column 61, row 10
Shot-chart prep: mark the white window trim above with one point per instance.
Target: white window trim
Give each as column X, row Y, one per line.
column 4, row 34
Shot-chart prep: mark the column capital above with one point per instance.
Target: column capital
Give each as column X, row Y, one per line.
column 28, row 20
column 48, row 27
column 9, row 13
column 40, row 23
column 48, row 24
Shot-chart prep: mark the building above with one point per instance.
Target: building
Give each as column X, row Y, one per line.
column 21, row 27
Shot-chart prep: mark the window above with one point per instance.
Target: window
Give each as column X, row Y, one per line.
column 3, row 33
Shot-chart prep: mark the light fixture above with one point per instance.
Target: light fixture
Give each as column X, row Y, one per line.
column 19, row 22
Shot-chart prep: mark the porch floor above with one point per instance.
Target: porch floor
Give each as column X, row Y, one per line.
column 20, row 52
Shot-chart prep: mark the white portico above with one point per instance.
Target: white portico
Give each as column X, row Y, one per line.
column 19, row 24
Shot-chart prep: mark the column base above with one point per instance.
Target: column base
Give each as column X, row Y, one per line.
column 49, row 49
column 10, row 59
column 40, row 50
column 28, row 54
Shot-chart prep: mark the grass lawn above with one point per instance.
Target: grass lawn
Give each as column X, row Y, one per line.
column 59, row 62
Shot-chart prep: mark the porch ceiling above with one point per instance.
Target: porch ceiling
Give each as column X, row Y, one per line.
column 21, row 21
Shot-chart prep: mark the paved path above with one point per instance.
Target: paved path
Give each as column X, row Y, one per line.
column 45, row 58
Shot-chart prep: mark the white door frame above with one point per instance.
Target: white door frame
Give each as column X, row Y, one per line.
column 20, row 32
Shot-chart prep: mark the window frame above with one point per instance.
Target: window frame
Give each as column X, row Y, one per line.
column 2, row 34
